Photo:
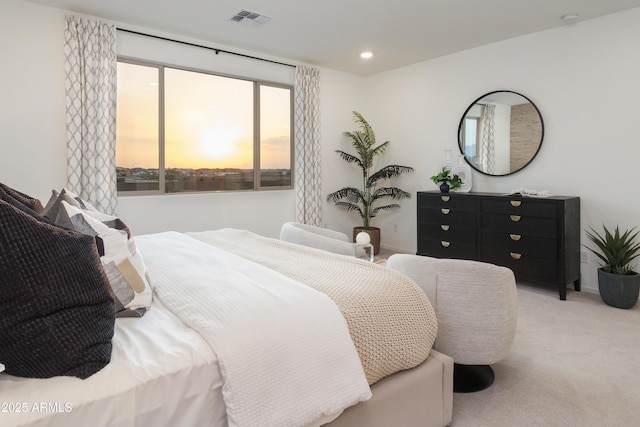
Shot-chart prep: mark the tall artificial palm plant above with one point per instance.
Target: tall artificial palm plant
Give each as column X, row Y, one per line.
column 366, row 199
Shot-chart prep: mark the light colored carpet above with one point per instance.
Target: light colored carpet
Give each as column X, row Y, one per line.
column 573, row 363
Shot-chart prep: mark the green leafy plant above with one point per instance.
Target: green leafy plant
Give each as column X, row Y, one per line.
column 615, row 250
column 454, row 181
column 365, row 200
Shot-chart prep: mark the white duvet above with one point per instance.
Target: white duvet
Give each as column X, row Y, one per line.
column 284, row 349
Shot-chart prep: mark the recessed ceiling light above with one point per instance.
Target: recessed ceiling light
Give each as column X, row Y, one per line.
column 366, row 55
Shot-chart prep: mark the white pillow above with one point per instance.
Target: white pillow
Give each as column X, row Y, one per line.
column 1, row 367
column 122, row 260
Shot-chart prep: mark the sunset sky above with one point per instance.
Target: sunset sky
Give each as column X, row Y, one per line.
column 208, row 121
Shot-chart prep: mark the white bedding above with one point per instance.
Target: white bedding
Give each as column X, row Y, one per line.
column 284, row 349
column 390, row 319
column 162, row 373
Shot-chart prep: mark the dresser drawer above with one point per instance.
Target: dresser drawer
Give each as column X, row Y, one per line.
column 446, row 232
column 446, row 249
column 538, row 247
column 447, row 216
column 525, row 266
column 520, row 206
column 520, row 224
column 448, row 201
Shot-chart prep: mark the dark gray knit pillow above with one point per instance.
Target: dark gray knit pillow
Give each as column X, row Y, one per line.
column 30, row 202
column 57, row 312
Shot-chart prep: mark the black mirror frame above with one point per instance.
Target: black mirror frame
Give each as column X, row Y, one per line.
column 462, row 124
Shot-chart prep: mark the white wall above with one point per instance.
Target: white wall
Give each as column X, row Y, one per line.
column 583, row 78
column 32, row 118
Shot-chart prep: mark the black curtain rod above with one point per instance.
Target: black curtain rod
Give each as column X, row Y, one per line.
column 216, row 50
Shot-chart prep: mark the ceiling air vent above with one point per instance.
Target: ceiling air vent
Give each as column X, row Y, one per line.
column 251, row 19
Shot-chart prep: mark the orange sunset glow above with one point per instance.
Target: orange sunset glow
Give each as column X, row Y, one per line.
column 208, row 121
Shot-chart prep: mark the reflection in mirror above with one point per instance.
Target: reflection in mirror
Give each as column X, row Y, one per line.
column 500, row 133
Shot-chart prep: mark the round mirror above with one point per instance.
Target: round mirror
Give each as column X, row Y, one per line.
column 500, row 133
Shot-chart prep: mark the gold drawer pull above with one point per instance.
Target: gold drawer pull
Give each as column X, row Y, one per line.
column 516, row 203
column 445, row 198
column 445, row 211
column 515, row 255
column 515, row 237
column 444, row 227
column 515, row 218
column 445, row 244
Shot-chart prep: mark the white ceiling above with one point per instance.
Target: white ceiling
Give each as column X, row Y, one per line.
column 332, row 33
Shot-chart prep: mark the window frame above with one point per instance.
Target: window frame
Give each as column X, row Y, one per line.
column 257, row 84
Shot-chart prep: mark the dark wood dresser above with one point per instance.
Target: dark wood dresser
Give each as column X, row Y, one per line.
column 538, row 238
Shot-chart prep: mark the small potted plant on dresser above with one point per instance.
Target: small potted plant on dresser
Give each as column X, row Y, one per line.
column 446, row 182
column 618, row 283
column 366, row 200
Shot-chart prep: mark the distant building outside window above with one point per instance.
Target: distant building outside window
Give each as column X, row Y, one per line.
column 180, row 130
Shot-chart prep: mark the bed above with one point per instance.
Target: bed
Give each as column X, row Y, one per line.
column 222, row 331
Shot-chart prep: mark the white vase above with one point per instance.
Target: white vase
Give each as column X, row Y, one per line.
column 463, row 170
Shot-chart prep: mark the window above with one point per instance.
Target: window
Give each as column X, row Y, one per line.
column 470, row 138
column 181, row 130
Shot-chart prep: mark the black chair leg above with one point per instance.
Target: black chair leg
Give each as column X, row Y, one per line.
column 471, row 378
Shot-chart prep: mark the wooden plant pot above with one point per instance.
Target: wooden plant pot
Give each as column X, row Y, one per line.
column 619, row 290
column 374, row 234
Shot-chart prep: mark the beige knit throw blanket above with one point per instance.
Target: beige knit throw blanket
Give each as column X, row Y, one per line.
column 391, row 321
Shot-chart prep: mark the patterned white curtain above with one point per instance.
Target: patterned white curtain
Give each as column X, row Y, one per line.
column 307, row 146
column 91, row 69
column 487, row 141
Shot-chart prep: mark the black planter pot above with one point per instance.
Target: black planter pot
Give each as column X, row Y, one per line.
column 619, row 290
column 444, row 187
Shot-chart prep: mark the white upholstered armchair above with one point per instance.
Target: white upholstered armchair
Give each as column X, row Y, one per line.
column 316, row 237
column 476, row 307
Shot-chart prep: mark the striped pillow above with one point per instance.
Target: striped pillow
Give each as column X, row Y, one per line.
column 52, row 207
column 121, row 259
